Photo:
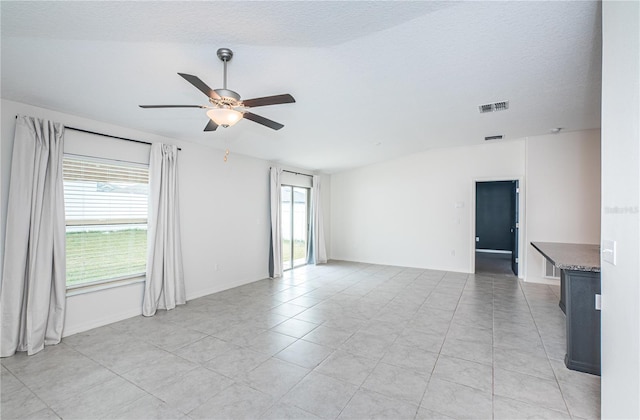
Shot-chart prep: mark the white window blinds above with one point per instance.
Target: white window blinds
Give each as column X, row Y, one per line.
column 106, row 217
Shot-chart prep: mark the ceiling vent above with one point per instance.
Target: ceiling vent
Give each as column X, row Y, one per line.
column 496, row 106
column 499, row 137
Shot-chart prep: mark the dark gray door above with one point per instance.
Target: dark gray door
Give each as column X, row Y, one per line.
column 494, row 215
column 515, row 226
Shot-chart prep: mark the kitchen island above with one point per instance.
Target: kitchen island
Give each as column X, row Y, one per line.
column 579, row 266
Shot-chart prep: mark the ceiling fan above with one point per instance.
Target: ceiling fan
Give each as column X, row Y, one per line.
column 226, row 107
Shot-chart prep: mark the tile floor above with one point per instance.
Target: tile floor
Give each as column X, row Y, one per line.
column 343, row 340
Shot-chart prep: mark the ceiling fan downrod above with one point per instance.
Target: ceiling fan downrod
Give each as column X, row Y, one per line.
column 225, row 54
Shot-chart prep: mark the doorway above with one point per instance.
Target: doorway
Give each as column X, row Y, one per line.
column 295, row 225
column 497, row 226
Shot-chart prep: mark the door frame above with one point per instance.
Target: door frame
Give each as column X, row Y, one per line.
column 522, row 263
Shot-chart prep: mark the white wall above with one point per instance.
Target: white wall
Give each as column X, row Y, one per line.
column 417, row 211
column 563, row 192
column 620, row 213
column 224, row 212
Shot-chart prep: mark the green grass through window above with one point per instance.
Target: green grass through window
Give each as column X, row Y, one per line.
column 299, row 250
column 102, row 255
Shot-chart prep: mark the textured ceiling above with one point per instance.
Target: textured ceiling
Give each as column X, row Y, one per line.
column 289, row 24
column 372, row 80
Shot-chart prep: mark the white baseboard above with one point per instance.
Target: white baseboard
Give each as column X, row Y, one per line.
column 101, row 322
column 542, row 280
column 217, row 288
column 133, row 312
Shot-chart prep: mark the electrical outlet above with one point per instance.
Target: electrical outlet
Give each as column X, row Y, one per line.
column 453, row 252
column 215, row 267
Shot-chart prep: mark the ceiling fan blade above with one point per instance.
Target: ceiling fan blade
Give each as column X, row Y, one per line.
column 211, row 126
column 262, row 120
column 269, row 100
column 172, row 106
column 200, row 85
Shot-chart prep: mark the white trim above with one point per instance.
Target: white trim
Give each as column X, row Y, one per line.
column 130, row 313
column 493, row 251
column 220, row 287
column 95, row 323
column 82, row 289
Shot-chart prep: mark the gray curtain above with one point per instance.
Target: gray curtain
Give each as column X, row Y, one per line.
column 317, row 250
column 33, row 290
column 275, row 254
column 164, row 286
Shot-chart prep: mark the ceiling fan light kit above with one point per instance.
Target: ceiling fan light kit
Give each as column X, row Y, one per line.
column 226, row 106
column 225, row 117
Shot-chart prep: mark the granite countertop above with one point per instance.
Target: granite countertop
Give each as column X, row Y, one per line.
column 577, row 257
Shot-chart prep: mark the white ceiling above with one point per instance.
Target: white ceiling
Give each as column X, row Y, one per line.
column 372, row 80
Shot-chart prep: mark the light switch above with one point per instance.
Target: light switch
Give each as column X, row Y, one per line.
column 598, row 302
column 609, row 251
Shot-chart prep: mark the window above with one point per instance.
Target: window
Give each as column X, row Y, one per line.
column 295, row 226
column 106, row 219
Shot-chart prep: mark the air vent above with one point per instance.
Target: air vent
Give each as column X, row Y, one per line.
column 550, row 271
column 501, row 106
column 496, row 106
column 500, row 137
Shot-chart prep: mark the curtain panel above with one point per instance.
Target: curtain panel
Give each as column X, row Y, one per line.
column 33, row 289
column 317, row 250
column 164, row 285
column 275, row 253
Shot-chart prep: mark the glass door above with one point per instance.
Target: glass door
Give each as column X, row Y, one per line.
column 295, row 225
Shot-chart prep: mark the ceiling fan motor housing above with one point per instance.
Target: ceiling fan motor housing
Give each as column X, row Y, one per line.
column 228, row 94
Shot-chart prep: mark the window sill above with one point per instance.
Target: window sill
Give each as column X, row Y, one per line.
column 90, row 288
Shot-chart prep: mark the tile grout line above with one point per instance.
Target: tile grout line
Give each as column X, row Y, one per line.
column 493, row 348
column 443, row 341
column 301, row 379
column 520, row 285
column 369, row 374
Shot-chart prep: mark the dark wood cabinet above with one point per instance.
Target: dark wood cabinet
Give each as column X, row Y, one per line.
column 582, row 320
column 579, row 266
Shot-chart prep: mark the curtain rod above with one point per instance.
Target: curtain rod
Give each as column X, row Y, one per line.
column 109, row 135
column 106, row 135
column 297, row 173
